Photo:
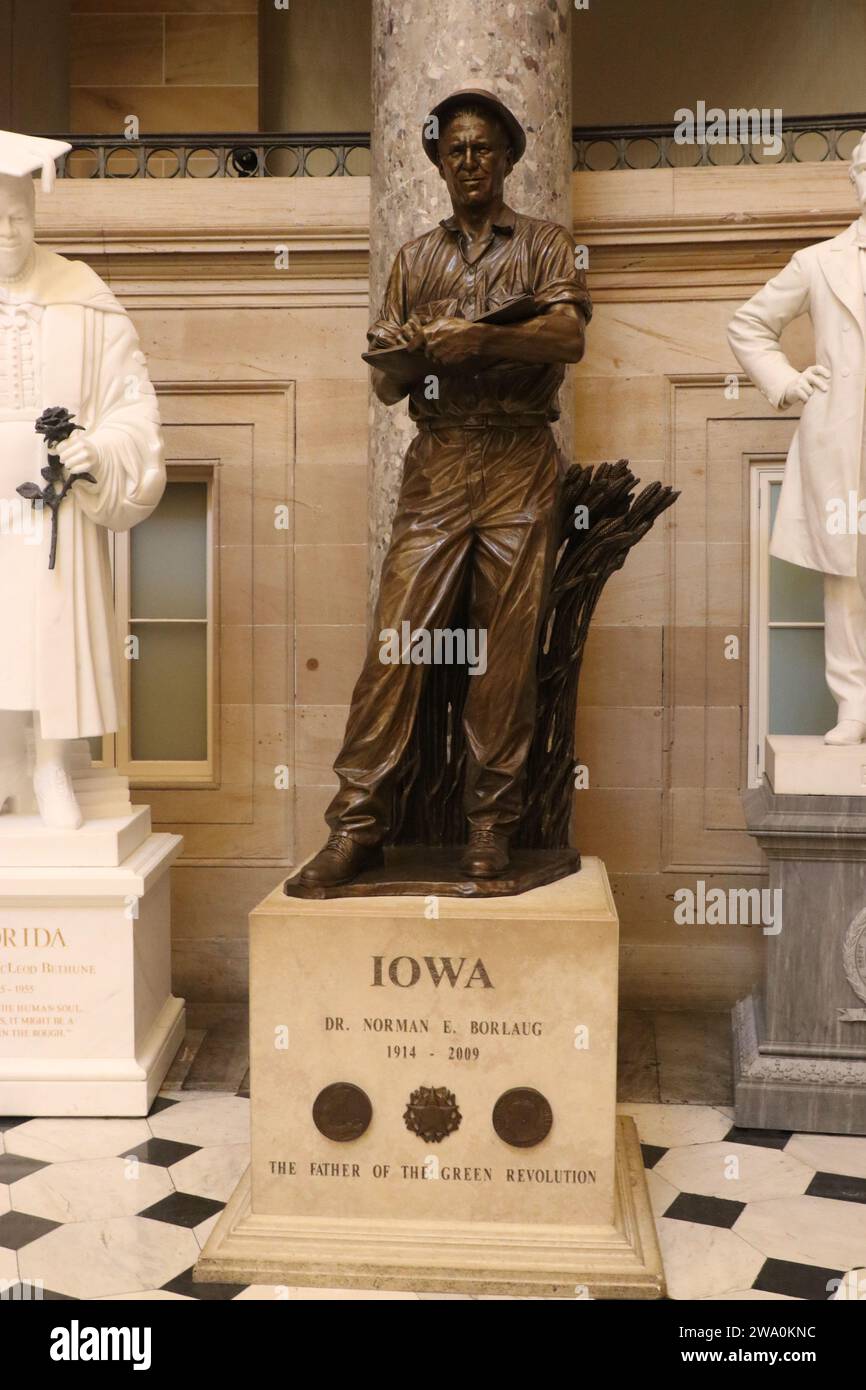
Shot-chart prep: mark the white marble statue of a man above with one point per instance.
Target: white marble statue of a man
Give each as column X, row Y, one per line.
column 825, row 466
column 64, row 342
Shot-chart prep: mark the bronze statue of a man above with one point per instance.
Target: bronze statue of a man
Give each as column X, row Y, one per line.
column 480, row 485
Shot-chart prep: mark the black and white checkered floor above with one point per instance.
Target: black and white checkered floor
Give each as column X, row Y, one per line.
column 119, row 1209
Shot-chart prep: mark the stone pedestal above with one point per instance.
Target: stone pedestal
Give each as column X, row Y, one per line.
column 433, row 1100
column 88, row 1023
column 99, row 844
column 800, row 1045
column 801, row 765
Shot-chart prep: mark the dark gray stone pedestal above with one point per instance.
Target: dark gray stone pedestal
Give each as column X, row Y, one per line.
column 800, row 1044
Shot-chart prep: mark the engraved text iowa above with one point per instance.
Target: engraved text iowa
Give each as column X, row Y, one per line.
column 406, row 971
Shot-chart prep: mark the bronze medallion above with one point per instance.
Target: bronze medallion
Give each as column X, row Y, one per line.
column 854, row 964
column 522, row 1117
column 432, row 1113
column 342, row 1112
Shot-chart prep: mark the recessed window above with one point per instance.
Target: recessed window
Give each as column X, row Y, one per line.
column 164, row 596
column 787, row 690
column 169, row 620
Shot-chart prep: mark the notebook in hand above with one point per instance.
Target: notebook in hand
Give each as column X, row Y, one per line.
column 409, row 364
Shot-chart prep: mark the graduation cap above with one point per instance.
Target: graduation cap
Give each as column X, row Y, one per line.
column 21, row 155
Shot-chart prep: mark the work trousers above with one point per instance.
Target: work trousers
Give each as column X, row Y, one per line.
column 479, row 500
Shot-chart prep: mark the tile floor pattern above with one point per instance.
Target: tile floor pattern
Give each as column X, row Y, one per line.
column 119, row 1209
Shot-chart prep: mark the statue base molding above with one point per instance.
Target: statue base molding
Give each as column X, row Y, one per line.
column 113, row 828
column 804, row 765
column 800, row 1043
column 102, row 842
column 420, row 871
column 433, row 1100
column 814, row 1094
column 88, row 1022
column 620, row 1260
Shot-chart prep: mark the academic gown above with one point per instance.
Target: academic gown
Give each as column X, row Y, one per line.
column 59, row 647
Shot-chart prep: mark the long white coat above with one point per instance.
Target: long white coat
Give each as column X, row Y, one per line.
column 825, row 461
column 91, row 364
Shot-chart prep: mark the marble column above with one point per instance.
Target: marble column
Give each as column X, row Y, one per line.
column 421, row 52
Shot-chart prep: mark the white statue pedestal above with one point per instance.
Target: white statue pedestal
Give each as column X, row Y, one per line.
column 103, row 843
column 526, row 999
column 800, row 765
column 88, row 1023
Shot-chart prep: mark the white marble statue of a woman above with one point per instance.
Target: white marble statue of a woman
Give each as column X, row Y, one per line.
column 65, row 342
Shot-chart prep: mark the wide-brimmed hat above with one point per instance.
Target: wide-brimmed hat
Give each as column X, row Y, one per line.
column 473, row 96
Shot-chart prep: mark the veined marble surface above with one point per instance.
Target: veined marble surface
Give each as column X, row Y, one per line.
column 120, row 1209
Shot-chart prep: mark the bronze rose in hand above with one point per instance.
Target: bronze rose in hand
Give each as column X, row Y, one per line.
column 56, row 424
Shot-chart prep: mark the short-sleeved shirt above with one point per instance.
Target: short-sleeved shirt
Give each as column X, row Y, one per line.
column 432, row 277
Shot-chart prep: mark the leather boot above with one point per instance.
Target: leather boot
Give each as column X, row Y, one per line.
column 340, row 860
column 486, row 854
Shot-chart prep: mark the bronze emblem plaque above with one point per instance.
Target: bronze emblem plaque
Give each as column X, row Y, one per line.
column 522, row 1117
column 432, row 1113
column 342, row 1112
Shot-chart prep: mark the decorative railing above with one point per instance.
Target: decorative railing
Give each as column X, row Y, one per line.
column 210, row 156
column 802, row 139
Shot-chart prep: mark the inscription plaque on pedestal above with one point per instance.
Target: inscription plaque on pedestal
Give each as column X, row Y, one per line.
column 88, row 1022
column 483, row 1035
